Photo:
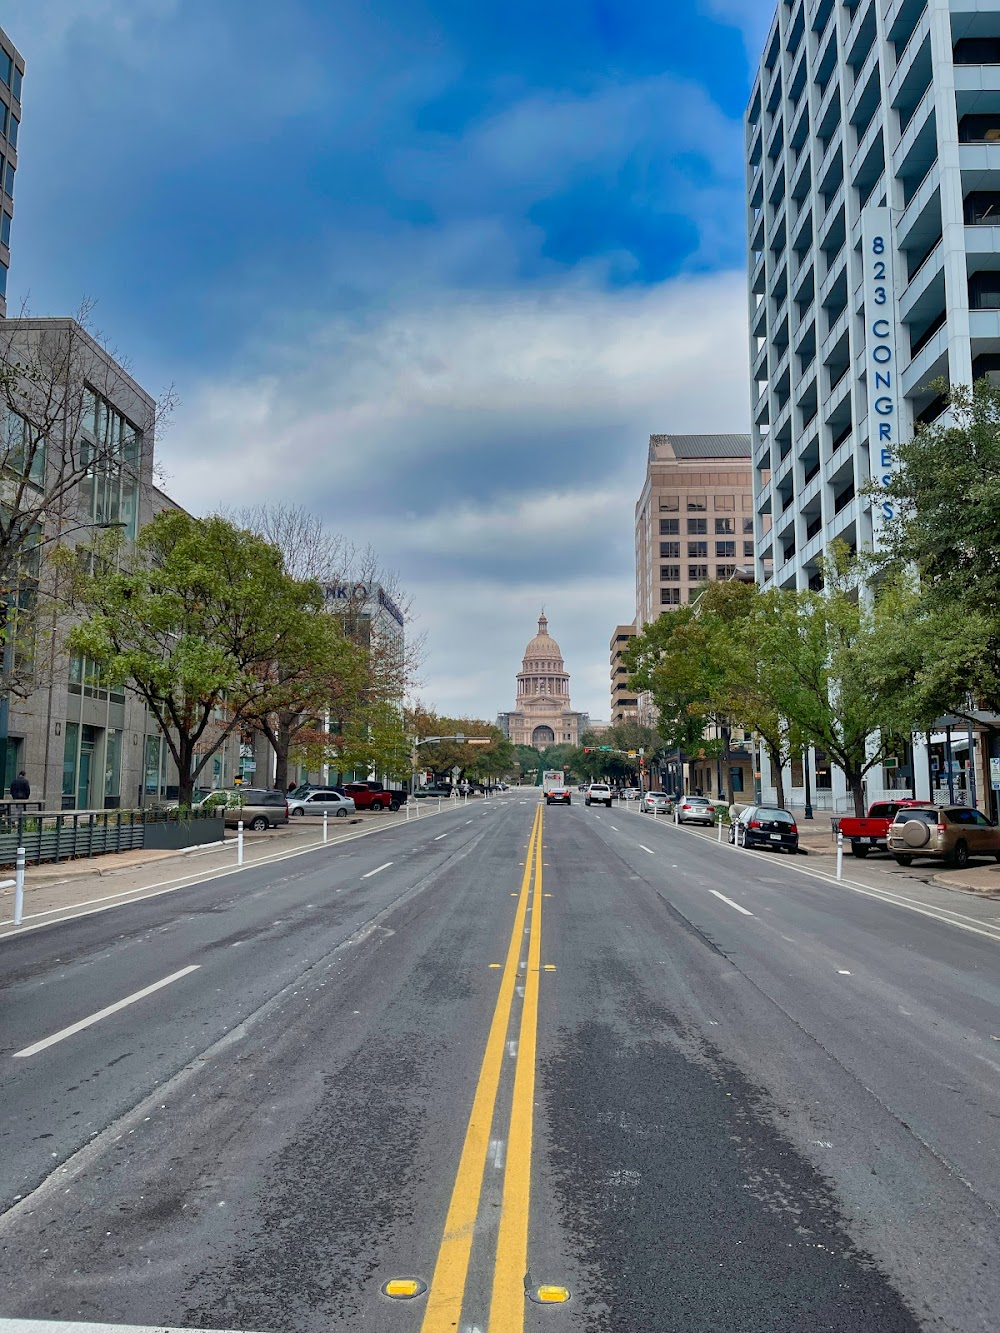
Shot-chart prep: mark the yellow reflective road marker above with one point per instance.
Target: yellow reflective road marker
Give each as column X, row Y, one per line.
column 507, row 1301
column 550, row 1295
column 447, row 1291
column 494, row 964
column 404, row 1288
column 549, row 967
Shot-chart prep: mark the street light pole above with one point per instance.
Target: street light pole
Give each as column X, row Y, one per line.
column 805, row 769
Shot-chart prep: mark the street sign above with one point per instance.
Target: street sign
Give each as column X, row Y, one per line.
column 631, row 754
column 995, row 774
column 605, row 749
column 249, row 765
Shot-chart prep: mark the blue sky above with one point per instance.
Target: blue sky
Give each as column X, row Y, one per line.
column 435, row 269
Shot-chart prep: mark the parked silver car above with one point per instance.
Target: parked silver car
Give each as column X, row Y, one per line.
column 695, row 810
column 655, row 802
column 322, row 802
column 259, row 808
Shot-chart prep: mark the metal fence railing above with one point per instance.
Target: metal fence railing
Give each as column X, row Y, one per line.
column 62, row 835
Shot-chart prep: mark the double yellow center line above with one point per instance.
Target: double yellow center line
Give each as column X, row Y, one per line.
column 447, row 1287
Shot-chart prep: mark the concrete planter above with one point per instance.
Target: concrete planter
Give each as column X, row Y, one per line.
column 175, row 834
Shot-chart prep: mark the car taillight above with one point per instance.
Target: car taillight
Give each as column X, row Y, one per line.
column 941, row 828
column 755, row 823
column 794, row 828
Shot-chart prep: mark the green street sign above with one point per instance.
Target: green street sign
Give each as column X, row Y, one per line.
column 605, row 748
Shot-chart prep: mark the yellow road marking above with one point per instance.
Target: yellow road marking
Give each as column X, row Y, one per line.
column 447, row 1288
column 507, row 1301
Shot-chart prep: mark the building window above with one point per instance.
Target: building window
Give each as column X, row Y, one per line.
column 697, row 548
column 669, row 526
column 670, row 550
column 110, row 492
column 696, row 573
column 112, row 766
column 16, row 85
column 725, row 571
column 748, row 550
column 670, row 573
column 724, row 549
column 670, row 503
column 668, row 597
column 725, row 525
column 748, row 527
column 6, row 67
column 697, row 502
column 735, row 780
column 697, row 526
column 3, row 278
column 8, row 179
column 3, row 117
column 725, row 503
column 5, row 228
column 12, row 130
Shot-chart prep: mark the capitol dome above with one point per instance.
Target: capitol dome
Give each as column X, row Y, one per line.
column 543, row 714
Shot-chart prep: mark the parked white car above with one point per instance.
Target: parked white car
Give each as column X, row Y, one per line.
column 320, row 803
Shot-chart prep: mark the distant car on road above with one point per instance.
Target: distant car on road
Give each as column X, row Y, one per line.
column 433, row 789
column 765, row 826
column 695, row 810
column 558, row 796
column 657, row 802
column 954, row 833
column 324, row 801
column 598, row 793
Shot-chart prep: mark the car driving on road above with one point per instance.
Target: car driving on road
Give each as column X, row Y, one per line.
column 598, row 793
column 558, row 796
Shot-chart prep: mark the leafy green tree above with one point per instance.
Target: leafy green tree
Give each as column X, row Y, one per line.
column 444, row 756
column 529, row 763
column 194, row 621
column 944, row 496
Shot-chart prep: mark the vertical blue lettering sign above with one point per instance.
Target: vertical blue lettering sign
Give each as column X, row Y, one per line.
column 881, row 361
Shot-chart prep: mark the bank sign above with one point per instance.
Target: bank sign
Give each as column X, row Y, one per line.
column 881, row 361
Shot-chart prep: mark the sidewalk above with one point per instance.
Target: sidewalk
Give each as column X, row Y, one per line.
column 55, row 891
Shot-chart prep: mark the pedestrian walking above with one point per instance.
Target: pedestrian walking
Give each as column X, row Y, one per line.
column 20, row 790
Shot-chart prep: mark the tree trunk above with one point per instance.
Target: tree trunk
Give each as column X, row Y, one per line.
column 777, row 769
column 854, row 781
column 185, row 779
column 281, row 745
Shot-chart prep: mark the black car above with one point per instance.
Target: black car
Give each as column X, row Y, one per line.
column 766, row 826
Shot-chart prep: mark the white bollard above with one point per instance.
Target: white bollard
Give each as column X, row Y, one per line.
column 239, row 843
column 676, row 817
column 439, row 805
column 19, row 887
column 840, row 855
column 406, row 807
column 719, row 838
column 326, row 824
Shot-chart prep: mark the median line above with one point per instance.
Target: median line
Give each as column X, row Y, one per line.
column 511, row 1267
column 447, row 1287
column 647, row 849
column 378, row 870
column 46, row 1042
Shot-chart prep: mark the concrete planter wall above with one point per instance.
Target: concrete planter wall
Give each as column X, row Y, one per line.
column 179, row 833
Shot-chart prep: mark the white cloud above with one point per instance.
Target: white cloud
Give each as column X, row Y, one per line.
column 491, row 447
column 752, row 17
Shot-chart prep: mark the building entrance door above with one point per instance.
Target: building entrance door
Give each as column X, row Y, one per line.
column 88, row 748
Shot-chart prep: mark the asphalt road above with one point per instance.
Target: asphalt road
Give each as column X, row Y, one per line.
column 499, row 1052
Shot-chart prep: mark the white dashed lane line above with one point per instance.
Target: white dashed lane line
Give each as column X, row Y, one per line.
column 104, row 1013
column 647, row 849
column 377, row 870
column 729, row 902
column 440, row 836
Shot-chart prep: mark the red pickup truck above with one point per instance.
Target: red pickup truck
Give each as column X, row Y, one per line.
column 373, row 796
column 869, row 834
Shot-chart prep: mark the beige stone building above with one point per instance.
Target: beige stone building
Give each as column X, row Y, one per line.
column 693, row 520
column 543, row 714
column 624, row 703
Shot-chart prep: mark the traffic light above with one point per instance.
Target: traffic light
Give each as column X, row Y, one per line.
column 586, row 750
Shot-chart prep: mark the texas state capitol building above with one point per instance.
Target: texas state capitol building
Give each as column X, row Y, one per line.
column 543, row 715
